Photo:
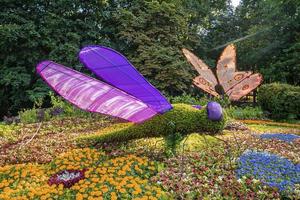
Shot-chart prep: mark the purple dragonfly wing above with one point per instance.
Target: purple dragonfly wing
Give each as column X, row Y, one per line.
column 115, row 69
column 93, row 95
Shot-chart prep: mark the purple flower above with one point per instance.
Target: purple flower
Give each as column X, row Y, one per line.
column 197, row 106
column 280, row 136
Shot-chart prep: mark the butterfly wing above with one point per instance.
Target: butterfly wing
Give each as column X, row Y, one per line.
column 205, row 85
column 206, row 79
column 226, row 67
column 245, row 87
column 93, row 95
column 115, row 69
column 236, row 84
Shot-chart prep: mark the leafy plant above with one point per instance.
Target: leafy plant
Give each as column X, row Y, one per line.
column 35, row 114
column 195, row 100
column 28, row 116
column 281, row 101
column 61, row 107
column 245, row 113
column 171, row 142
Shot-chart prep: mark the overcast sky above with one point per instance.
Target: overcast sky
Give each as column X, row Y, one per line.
column 235, row 2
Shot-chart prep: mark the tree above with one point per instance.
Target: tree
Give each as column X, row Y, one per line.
column 275, row 26
column 31, row 31
column 151, row 34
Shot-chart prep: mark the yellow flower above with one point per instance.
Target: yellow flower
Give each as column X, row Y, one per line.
column 104, row 189
column 79, row 196
column 122, row 190
column 113, row 196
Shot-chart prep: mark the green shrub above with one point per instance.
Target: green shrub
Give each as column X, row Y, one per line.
column 34, row 115
column 189, row 99
column 28, row 116
column 245, row 113
column 186, row 99
column 68, row 110
column 183, row 119
column 281, row 101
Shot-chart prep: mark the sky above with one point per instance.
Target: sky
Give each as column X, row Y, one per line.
column 235, row 2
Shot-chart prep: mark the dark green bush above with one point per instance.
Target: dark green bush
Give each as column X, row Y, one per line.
column 192, row 100
column 183, row 119
column 281, row 101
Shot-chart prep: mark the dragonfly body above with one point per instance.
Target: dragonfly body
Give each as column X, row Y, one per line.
column 121, row 91
column 183, row 119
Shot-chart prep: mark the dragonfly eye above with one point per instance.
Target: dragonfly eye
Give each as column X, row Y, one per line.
column 214, row 111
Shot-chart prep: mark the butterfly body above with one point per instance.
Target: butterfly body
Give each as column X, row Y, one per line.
column 121, row 91
column 225, row 80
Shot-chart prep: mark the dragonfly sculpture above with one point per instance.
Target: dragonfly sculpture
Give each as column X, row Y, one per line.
column 120, row 91
column 235, row 84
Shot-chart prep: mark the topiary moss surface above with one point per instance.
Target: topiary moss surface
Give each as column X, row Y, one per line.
column 183, row 119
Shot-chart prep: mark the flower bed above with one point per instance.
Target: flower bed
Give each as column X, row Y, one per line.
column 271, row 169
column 206, row 168
column 271, row 123
column 123, row 177
column 280, row 136
column 209, row 175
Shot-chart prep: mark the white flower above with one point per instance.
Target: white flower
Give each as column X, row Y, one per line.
column 256, row 181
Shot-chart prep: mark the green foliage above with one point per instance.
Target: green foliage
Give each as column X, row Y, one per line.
column 245, row 113
column 287, row 67
column 32, row 31
column 196, row 142
column 67, row 109
column 191, row 100
column 151, row 34
column 183, row 119
column 8, row 132
column 28, row 116
column 171, row 142
column 34, row 114
column 187, row 99
column 59, row 109
column 274, row 25
column 280, row 100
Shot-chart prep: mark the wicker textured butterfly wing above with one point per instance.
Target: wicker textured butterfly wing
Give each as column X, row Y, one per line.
column 93, row 95
column 206, row 79
column 236, row 84
column 116, row 70
column 226, row 69
column 245, row 87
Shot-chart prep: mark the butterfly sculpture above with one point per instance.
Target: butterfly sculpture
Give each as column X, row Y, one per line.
column 121, row 91
column 235, row 84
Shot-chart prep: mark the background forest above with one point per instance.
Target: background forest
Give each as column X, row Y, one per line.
column 150, row 33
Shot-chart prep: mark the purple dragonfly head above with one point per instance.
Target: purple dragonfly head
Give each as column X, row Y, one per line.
column 214, row 111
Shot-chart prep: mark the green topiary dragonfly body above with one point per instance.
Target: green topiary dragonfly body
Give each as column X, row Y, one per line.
column 124, row 93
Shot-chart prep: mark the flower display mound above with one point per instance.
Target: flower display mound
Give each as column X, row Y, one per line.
column 208, row 175
column 271, row 169
column 123, row 177
column 280, row 136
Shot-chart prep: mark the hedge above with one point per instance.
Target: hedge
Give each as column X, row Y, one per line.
column 281, row 101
